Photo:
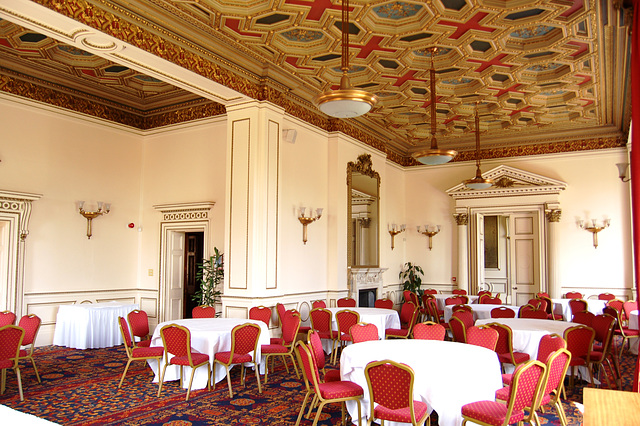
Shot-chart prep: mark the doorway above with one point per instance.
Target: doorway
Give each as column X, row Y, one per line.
column 193, row 254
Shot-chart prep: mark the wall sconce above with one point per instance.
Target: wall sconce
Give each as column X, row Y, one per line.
column 305, row 220
column 622, row 171
column 103, row 208
column 393, row 231
column 594, row 229
column 429, row 233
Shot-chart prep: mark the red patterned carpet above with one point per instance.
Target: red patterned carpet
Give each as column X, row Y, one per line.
column 81, row 388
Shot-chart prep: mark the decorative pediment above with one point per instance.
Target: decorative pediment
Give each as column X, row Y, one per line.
column 508, row 182
column 185, row 211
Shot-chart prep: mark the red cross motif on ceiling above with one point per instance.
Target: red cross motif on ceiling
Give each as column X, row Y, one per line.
column 372, row 45
column 577, row 5
column 582, row 48
column 471, row 24
column 317, row 7
column 403, row 79
column 507, row 90
column 494, row 61
column 449, row 120
column 427, row 103
column 525, row 109
column 291, row 60
column 586, row 79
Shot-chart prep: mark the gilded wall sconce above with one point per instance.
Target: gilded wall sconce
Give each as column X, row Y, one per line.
column 429, row 232
column 395, row 230
column 306, row 220
column 103, row 208
column 594, row 228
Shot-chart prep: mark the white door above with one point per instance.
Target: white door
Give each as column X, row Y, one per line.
column 525, row 258
column 175, row 275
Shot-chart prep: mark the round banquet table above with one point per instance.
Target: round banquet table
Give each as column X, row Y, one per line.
column 479, row 311
column 90, row 325
column 561, row 306
column 381, row 318
column 440, row 298
column 448, row 375
column 208, row 336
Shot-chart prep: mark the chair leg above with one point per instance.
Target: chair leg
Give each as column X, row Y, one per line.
column 314, row 402
column 257, row 368
column 35, row 369
column 4, row 380
column 304, row 403
column 19, row 383
column 315, row 420
column 229, row 381
column 295, row 367
column 124, row 373
column 193, row 370
column 164, row 368
column 214, row 375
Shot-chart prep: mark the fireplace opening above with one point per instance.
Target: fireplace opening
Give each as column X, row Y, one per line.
column 367, row 297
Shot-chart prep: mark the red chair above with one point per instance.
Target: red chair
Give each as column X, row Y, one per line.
column 176, row 341
column 488, row 300
column 318, row 304
column 290, row 328
column 584, row 318
column 436, row 315
column 628, row 307
column 30, row 324
column 304, row 329
column 548, row 344
column 383, row 304
column 410, row 296
column 543, row 295
column 603, row 326
column 618, row 305
column 466, row 317
column 139, row 325
column 135, row 353
column 244, row 341
column 606, row 296
column 408, row 318
column 579, row 344
column 11, row 337
column 347, row 302
column 203, row 312
column 502, row 312
column 539, row 304
column 462, row 308
column 464, row 299
column 454, row 300
column 7, row 318
column 324, row 393
column 280, row 310
column 534, row 314
column 577, row 305
column 363, row 332
column 483, row 292
column 621, row 329
column 391, row 393
column 321, row 321
column 524, row 392
column 504, row 347
column 458, row 330
column 429, row 331
column 260, row 313
column 431, row 291
column 315, row 344
column 459, row 291
column 345, row 319
column 573, row 295
column 482, row 335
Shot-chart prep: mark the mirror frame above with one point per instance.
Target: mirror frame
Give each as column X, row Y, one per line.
column 363, row 166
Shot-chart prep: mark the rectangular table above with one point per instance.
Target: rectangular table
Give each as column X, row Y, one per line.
column 381, row 318
column 448, row 375
column 90, row 325
column 604, row 407
column 208, row 336
column 479, row 311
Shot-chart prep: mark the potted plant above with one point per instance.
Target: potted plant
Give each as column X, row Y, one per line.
column 210, row 275
column 411, row 278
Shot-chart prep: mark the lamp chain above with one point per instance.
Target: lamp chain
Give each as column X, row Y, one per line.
column 345, row 36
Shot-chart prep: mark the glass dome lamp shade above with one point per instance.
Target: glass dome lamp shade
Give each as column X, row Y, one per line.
column 478, row 182
column 346, row 102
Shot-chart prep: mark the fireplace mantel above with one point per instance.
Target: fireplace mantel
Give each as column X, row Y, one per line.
column 365, row 278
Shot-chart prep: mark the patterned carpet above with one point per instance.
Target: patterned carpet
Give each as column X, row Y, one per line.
column 81, row 388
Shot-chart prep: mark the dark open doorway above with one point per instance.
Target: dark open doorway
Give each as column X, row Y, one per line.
column 193, row 252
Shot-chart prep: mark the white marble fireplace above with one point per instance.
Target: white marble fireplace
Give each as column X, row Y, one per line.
column 365, row 282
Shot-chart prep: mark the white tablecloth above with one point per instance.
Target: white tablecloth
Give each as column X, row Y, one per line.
column 208, row 336
column 479, row 311
column 440, row 298
column 90, row 325
column 448, row 375
column 561, row 306
column 14, row 417
column 633, row 323
column 381, row 318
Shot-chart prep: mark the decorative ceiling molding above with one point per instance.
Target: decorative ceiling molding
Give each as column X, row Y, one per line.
column 181, row 212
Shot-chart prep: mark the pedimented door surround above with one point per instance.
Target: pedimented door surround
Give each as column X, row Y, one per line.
column 15, row 212
column 514, row 190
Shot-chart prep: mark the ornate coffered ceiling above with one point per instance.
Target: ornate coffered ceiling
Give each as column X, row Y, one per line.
column 547, row 75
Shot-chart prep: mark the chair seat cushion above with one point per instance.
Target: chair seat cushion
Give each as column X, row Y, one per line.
column 304, row 330
column 490, row 412
column 345, row 337
column 340, row 389
column 577, row 361
column 518, row 358
column 596, row 356
column 196, row 358
column 328, row 334
column 274, row 349
column 506, row 378
column 277, row 341
column 396, row 332
column 332, row 376
column 143, row 343
column 6, row 363
column 147, row 352
column 630, row 332
column 503, row 394
column 401, row 414
column 237, row 358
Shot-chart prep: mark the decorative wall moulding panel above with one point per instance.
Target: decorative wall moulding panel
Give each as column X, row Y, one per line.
column 182, row 212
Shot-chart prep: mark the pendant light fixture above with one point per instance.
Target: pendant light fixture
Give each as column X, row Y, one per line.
column 434, row 156
column 478, row 182
column 346, row 102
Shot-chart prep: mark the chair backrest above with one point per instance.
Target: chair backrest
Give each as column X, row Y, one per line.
column 429, row 330
column 126, row 335
column 431, row 291
column 525, row 308
column 318, row 304
column 363, row 332
column 483, row 292
column 458, row 329
column 390, row 385
column 577, row 305
column 505, row 342
column 290, row 327
column 610, row 310
column 526, row 384
column 321, row 319
column 244, row 339
column 573, row 295
column 579, row 341
column 539, row 304
column 549, row 307
column 618, row 305
column 260, row 313
column 139, row 323
column 408, row 314
column 176, row 340
column 534, row 314
column 459, row 291
column 466, row 317
column 410, row 296
column 502, row 312
column 584, row 318
column 203, row 312
column 346, row 319
column 347, row 302
column 628, row 307
column 557, row 364
column 604, row 325
column 461, row 308
column 432, row 310
column 309, row 367
column 280, row 310
column 548, row 344
column 315, row 344
column 606, row 296
column 7, row 318
column 11, row 337
column 383, row 303
column 31, row 324
column 483, row 336
column 543, row 295
column 454, row 300
column 488, row 300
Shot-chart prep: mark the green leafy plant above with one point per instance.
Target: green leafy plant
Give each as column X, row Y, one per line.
column 411, row 278
column 210, row 275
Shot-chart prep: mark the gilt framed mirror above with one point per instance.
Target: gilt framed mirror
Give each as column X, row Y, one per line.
column 363, row 213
